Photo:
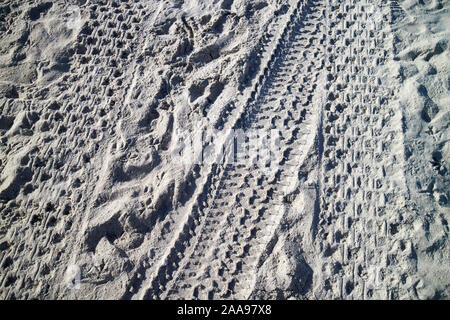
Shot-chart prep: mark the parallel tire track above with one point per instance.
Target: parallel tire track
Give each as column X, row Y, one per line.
column 221, row 243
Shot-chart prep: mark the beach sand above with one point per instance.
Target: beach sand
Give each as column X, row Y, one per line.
column 224, row 149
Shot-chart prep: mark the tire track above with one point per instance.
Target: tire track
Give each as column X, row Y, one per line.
column 171, row 224
column 196, row 244
column 357, row 192
column 80, row 101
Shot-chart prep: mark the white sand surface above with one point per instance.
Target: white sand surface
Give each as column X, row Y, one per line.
column 224, row 149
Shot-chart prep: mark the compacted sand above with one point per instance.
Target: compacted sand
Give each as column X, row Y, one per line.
column 224, row 149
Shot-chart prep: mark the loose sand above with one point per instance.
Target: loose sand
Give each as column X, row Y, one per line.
column 224, row 149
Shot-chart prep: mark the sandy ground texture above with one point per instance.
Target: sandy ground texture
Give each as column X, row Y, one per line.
column 103, row 197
